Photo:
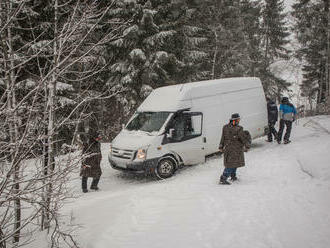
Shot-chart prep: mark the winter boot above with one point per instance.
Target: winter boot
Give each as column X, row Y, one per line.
column 95, row 183
column 233, row 177
column 223, row 180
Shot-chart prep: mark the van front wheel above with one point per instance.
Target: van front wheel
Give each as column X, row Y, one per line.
column 165, row 168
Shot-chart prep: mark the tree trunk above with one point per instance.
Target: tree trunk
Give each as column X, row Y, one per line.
column 13, row 120
column 327, row 82
column 215, row 53
column 51, row 90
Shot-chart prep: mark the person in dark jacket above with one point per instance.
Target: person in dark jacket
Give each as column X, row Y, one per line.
column 91, row 163
column 272, row 119
column 234, row 142
column 288, row 114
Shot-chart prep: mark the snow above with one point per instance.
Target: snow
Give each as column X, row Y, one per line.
column 281, row 200
column 60, row 86
column 64, row 101
column 145, row 90
column 137, row 54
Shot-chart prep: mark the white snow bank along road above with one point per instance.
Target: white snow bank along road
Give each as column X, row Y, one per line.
column 281, row 200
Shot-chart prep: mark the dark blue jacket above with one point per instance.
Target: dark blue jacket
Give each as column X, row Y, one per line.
column 272, row 111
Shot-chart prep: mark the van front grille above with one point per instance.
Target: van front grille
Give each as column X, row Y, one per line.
column 121, row 153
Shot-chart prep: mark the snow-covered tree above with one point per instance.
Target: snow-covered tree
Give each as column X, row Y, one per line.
column 312, row 31
column 274, row 38
column 50, row 58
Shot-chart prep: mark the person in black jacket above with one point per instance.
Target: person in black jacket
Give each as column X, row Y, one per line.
column 272, row 119
column 90, row 166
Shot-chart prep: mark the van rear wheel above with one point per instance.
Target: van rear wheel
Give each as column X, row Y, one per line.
column 165, row 168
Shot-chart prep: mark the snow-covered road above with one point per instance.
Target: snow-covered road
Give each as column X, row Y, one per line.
column 281, row 200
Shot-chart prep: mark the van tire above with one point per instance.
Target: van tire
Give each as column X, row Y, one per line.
column 166, row 168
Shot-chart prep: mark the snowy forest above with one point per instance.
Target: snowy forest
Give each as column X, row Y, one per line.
column 70, row 65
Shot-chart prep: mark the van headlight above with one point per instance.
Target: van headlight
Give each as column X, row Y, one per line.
column 141, row 154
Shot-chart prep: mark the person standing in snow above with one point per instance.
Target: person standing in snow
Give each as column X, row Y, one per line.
column 91, row 163
column 272, row 119
column 288, row 114
column 233, row 144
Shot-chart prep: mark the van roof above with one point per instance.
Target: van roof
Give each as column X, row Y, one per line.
column 175, row 97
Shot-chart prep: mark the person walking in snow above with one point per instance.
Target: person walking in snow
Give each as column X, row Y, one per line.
column 272, row 119
column 234, row 142
column 288, row 114
column 91, row 163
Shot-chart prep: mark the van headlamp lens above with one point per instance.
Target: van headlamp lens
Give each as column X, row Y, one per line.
column 141, row 154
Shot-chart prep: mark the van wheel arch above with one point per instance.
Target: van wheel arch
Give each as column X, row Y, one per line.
column 176, row 158
column 166, row 166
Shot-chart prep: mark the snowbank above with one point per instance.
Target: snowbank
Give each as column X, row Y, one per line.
column 281, row 201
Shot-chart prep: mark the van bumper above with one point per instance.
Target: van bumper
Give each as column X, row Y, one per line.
column 147, row 165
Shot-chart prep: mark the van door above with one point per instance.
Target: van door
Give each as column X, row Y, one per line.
column 186, row 138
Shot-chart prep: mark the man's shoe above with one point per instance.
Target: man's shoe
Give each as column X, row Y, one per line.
column 223, row 180
column 269, row 141
column 85, row 190
column 95, row 188
column 278, row 142
column 287, row 141
column 233, row 178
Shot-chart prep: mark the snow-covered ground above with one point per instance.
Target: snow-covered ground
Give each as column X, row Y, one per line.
column 282, row 199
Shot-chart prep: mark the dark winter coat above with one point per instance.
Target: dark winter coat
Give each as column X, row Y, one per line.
column 233, row 141
column 272, row 112
column 90, row 166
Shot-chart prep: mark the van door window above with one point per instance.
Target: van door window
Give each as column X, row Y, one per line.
column 186, row 126
column 178, row 126
column 196, row 124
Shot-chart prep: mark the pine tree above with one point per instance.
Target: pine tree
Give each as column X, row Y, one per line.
column 149, row 54
column 312, row 32
column 274, row 37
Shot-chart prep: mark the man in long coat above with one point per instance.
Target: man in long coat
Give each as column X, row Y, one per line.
column 90, row 166
column 233, row 144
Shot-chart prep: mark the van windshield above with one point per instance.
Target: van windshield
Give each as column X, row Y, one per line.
column 148, row 121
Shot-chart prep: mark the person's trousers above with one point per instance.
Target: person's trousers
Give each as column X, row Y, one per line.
column 288, row 125
column 272, row 131
column 229, row 172
column 94, row 182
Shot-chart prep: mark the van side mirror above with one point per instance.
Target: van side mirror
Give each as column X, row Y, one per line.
column 171, row 133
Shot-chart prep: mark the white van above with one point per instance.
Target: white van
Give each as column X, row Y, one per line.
column 181, row 124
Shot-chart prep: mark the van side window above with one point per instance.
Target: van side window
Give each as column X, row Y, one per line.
column 187, row 126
